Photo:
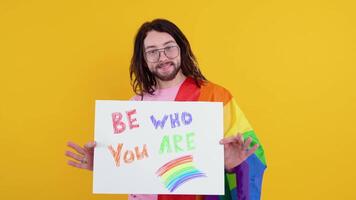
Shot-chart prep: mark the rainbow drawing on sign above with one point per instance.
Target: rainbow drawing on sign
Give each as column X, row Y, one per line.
column 178, row 171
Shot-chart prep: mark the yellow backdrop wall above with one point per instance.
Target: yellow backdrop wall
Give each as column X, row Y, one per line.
column 291, row 65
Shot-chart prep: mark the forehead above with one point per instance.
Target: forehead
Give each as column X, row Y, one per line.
column 157, row 39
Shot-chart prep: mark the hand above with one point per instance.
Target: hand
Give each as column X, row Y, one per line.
column 236, row 150
column 85, row 155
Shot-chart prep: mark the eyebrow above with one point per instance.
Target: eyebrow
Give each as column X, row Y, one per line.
column 153, row 46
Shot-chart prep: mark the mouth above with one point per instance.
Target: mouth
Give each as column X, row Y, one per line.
column 165, row 66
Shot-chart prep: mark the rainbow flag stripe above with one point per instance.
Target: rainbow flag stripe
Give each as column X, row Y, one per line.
column 246, row 180
column 178, row 171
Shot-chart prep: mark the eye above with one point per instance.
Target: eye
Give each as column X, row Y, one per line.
column 152, row 52
column 169, row 48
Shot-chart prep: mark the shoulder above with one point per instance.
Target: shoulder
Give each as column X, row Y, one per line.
column 135, row 98
column 216, row 88
column 213, row 92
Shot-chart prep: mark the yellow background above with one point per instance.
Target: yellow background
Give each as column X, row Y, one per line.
column 290, row 64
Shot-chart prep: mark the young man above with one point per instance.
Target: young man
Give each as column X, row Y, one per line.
column 163, row 67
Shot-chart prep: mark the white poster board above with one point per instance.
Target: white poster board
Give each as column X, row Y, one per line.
column 153, row 147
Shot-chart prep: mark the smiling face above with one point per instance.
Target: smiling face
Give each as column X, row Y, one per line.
column 162, row 55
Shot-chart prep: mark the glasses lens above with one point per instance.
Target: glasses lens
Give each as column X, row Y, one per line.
column 152, row 56
column 171, row 52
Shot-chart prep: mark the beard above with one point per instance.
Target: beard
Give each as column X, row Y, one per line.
column 166, row 76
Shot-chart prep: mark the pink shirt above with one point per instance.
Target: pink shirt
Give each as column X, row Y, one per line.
column 166, row 94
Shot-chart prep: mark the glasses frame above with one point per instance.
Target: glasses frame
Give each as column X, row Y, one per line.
column 164, row 51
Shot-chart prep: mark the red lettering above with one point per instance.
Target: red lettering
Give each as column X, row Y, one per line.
column 117, row 123
column 132, row 120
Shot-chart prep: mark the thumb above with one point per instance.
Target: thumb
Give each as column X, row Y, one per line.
column 90, row 145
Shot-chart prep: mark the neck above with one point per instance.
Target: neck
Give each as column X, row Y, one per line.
column 167, row 84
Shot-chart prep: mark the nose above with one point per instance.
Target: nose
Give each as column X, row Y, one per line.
column 162, row 56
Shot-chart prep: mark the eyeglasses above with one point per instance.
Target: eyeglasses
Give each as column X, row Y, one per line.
column 169, row 51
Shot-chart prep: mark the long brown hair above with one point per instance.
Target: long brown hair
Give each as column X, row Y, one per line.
column 142, row 80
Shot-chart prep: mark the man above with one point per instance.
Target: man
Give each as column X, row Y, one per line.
column 163, row 67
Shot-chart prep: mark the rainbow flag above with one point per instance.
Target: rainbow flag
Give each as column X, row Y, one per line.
column 246, row 182
column 178, row 171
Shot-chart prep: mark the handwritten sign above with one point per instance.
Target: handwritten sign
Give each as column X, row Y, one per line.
column 158, row 147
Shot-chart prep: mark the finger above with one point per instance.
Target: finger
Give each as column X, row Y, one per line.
column 239, row 139
column 90, row 146
column 252, row 150
column 77, row 165
column 76, row 147
column 228, row 140
column 227, row 146
column 74, row 156
column 247, row 143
